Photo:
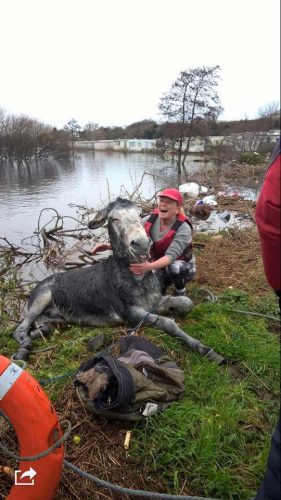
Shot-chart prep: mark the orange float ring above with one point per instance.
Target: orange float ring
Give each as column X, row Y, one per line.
column 35, row 421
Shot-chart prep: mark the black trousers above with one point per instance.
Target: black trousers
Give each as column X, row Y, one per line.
column 178, row 274
column 270, row 488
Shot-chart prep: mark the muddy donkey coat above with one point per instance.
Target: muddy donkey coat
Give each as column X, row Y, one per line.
column 107, row 293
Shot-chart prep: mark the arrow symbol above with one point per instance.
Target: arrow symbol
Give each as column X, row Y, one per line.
column 31, row 473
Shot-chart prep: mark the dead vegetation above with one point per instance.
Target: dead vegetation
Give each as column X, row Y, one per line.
column 231, row 259
column 228, row 260
column 100, row 452
column 225, row 175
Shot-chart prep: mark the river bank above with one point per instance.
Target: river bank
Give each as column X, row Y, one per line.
column 212, row 443
column 222, row 426
column 89, row 178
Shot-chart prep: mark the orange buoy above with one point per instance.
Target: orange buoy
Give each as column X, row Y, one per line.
column 36, row 424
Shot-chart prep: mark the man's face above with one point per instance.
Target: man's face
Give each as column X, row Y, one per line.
column 168, row 208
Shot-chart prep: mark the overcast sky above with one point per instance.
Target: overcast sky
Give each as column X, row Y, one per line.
column 109, row 61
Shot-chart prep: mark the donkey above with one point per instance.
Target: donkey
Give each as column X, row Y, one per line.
column 107, row 293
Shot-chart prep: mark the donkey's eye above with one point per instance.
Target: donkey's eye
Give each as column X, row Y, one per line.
column 114, row 219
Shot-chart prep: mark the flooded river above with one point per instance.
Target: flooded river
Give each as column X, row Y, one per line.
column 84, row 180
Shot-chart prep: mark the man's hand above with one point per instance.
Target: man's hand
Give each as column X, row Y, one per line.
column 141, row 268
column 100, row 247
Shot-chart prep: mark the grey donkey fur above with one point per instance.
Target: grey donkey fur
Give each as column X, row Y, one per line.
column 107, row 293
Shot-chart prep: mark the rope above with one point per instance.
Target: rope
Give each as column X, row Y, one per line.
column 128, row 491
column 100, row 482
column 213, row 298
column 58, row 377
column 137, row 327
column 134, row 330
column 71, row 372
column 209, row 295
column 268, row 316
column 42, row 454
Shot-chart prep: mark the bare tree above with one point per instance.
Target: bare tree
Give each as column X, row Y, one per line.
column 192, row 98
column 89, row 130
column 23, row 139
column 73, row 130
column 269, row 110
column 2, row 131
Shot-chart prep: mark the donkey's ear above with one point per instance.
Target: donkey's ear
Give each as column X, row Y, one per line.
column 98, row 219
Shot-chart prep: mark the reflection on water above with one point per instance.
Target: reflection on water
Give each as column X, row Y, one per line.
column 87, row 179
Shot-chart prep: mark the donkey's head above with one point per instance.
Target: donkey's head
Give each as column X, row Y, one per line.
column 127, row 235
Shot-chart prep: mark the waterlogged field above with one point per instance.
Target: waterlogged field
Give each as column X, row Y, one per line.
column 214, row 442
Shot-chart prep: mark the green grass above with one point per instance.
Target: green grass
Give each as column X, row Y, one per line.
column 215, row 441
column 217, row 438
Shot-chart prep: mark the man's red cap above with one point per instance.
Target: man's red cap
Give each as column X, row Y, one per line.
column 172, row 193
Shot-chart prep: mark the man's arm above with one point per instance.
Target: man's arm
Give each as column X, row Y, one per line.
column 268, row 219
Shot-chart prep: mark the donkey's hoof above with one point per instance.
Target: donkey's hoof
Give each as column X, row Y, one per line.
column 22, row 354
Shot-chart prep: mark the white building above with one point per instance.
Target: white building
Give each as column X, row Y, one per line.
column 136, row 145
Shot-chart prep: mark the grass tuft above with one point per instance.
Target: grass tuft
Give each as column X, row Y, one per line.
column 215, row 441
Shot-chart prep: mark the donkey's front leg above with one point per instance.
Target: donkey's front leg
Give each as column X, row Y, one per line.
column 21, row 333
column 168, row 325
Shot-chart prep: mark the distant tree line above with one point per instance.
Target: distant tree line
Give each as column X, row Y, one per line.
column 23, row 139
column 149, row 129
column 189, row 109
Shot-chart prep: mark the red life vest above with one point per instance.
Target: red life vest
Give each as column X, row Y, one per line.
column 268, row 219
column 158, row 248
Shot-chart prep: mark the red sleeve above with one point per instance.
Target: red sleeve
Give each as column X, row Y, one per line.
column 268, row 219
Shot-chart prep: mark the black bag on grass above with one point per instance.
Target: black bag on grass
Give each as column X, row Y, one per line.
column 141, row 381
